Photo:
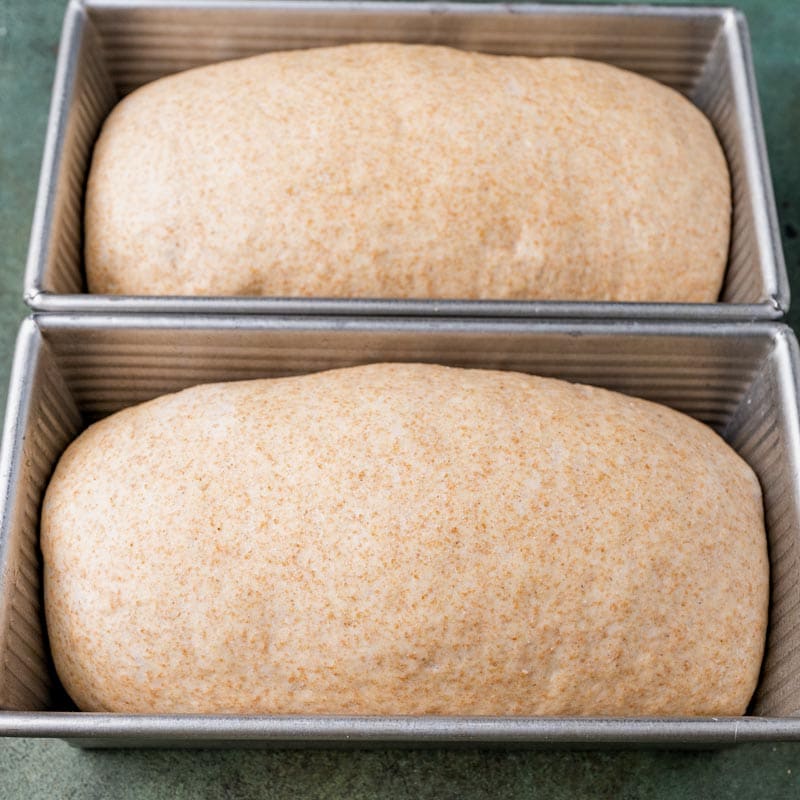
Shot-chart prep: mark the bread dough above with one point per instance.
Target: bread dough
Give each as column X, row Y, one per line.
column 405, row 539
column 405, row 171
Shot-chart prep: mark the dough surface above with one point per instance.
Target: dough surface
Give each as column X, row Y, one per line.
column 405, row 539
column 408, row 171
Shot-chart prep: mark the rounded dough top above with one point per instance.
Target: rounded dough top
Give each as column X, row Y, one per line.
column 405, row 539
column 408, row 171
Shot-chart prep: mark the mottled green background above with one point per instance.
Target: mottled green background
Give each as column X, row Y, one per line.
column 35, row 769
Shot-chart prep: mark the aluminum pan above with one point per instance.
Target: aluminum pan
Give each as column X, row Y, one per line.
column 70, row 369
column 108, row 48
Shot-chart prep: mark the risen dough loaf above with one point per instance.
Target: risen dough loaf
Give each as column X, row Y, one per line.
column 389, row 170
column 405, row 539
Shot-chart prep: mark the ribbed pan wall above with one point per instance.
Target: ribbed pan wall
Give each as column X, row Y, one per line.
column 715, row 93
column 764, row 430
column 114, row 364
column 78, row 109
column 142, row 44
column 42, row 420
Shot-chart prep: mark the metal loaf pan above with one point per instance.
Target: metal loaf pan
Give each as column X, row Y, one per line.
column 109, row 48
column 72, row 369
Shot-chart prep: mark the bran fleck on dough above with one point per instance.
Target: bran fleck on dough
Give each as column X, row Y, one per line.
column 405, row 539
column 408, row 171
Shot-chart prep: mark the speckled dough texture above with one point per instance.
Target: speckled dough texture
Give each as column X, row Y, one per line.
column 408, row 171
column 405, row 539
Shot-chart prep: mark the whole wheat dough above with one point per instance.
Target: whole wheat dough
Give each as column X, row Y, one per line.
column 405, row 539
column 387, row 170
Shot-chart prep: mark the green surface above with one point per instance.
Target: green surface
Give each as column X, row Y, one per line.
column 33, row 769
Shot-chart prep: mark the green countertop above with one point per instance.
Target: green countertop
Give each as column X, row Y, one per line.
column 50, row 769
